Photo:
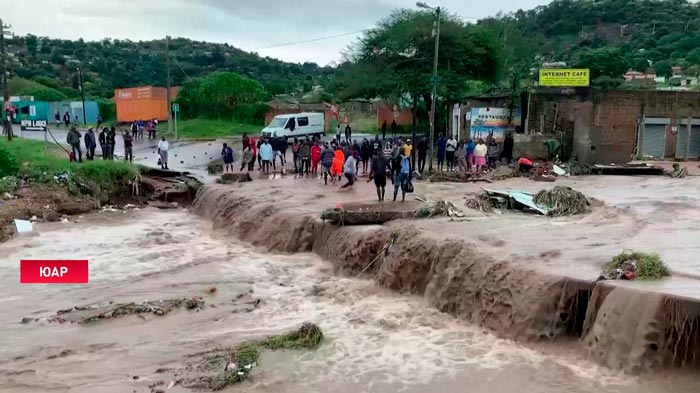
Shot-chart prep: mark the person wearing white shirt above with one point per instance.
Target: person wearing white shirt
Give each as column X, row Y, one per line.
column 450, row 149
column 163, row 147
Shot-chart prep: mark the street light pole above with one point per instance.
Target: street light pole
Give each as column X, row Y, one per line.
column 434, row 81
column 82, row 93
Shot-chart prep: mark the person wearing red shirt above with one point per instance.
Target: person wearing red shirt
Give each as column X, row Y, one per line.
column 315, row 158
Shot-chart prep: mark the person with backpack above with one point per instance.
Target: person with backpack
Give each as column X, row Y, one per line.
column 403, row 177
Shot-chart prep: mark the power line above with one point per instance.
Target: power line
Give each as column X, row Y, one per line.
column 312, row 40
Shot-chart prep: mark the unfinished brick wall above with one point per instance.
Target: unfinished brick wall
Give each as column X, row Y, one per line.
column 607, row 131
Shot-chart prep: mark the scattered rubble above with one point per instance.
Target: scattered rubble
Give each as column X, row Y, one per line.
column 229, row 178
column 95, row 313
column 221, row 368
column 559, row 201
column 439, row 209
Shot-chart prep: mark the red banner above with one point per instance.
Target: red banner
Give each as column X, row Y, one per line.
column 53, row 272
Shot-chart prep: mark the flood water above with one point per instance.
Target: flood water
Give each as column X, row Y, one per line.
column 375, row 340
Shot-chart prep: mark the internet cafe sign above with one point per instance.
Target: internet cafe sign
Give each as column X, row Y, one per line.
column 559, row 77
column 33, row 125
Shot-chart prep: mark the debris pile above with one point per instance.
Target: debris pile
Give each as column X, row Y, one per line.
column 222, row 368
column 480, row 201
column 559, row 201
column 439, row 209
column 457, row 177
column 562, row 201
column 229, row 178
column 366, row 214
column 95, row 313
column 635, row 264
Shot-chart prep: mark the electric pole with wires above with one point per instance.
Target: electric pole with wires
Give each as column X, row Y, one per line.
column 167, row 83
column 7, row 119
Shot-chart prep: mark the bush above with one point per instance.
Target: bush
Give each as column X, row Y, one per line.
column 649, row 266
column 107, row 108
column 8, row 184
column 9, row 164
column 250, row 113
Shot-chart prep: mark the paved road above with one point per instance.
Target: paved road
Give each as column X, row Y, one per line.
column 184, row 156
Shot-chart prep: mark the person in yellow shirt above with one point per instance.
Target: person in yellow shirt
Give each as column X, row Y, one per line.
column 408, row 148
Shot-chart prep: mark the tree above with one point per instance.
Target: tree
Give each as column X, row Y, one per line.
column 218, row 94
column 606, row 61
column 395, row 58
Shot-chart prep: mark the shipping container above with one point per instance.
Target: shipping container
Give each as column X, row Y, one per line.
column 30, row 110
column 142, row 103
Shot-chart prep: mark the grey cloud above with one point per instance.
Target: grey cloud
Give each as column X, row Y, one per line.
column 247, row 24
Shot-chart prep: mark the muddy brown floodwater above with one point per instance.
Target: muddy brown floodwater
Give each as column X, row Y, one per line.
column 376, row 340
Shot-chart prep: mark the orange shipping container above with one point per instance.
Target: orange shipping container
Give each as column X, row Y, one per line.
column 142, row 103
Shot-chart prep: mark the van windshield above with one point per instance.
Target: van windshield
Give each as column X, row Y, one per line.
column 278, row 122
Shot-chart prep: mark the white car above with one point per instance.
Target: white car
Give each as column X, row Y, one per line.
column 296, row 125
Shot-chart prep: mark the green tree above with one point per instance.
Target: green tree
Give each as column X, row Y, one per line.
column 218, row 94
column 395, row 58
column 608, row 61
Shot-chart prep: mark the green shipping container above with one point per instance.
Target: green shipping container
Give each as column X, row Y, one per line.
column 31, row 110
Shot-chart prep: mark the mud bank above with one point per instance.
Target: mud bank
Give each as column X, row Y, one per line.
column 621, row 327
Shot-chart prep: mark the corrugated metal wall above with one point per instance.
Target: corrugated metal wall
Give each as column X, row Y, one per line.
column 694, row 151
column 654, row 140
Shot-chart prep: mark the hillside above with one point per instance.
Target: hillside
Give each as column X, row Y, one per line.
column 110, row 64
column 606, row 35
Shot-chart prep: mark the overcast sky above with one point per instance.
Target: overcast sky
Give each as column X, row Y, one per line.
column 246, row 24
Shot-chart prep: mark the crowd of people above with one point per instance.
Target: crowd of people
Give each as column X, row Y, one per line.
column 107, row 139
column 470, row 155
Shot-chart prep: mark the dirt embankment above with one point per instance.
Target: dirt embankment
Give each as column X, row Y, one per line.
column 53, row 202
column 458, row 278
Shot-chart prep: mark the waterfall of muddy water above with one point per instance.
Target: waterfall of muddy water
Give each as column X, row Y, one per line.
column 375, row 340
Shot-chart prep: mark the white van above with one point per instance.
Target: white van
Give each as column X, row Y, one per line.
column 295, row 124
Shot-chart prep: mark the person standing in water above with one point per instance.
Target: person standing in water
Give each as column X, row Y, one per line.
column 403, row 175
column 248, row 159
column 377, row 173
column 227, row 154
column 163, row 147
column 350, row 171
column 266, row 156
column 327, row 162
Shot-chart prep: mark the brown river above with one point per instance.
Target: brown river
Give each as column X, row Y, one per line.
column 375, row 340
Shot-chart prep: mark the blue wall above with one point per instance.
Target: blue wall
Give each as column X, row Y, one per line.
column 47, row 110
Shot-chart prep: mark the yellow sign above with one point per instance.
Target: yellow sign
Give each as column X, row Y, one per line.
column 557, row 77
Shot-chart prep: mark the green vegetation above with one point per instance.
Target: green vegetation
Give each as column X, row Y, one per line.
column 562, row 201
column 245, row 355
column 608, row 36
column 40, row 162
column 211, row 129
column 110, row 64
column 649, row 266
column 224, row 95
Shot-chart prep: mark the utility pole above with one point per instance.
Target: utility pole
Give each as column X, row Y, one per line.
column 3, row 64
column 433, row 100
column 167, row 83
column 7, row 120
column 82, row 93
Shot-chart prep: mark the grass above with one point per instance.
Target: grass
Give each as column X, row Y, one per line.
column 649, row 265
column 245, row 356
column 210, row 129
column 40, row 162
